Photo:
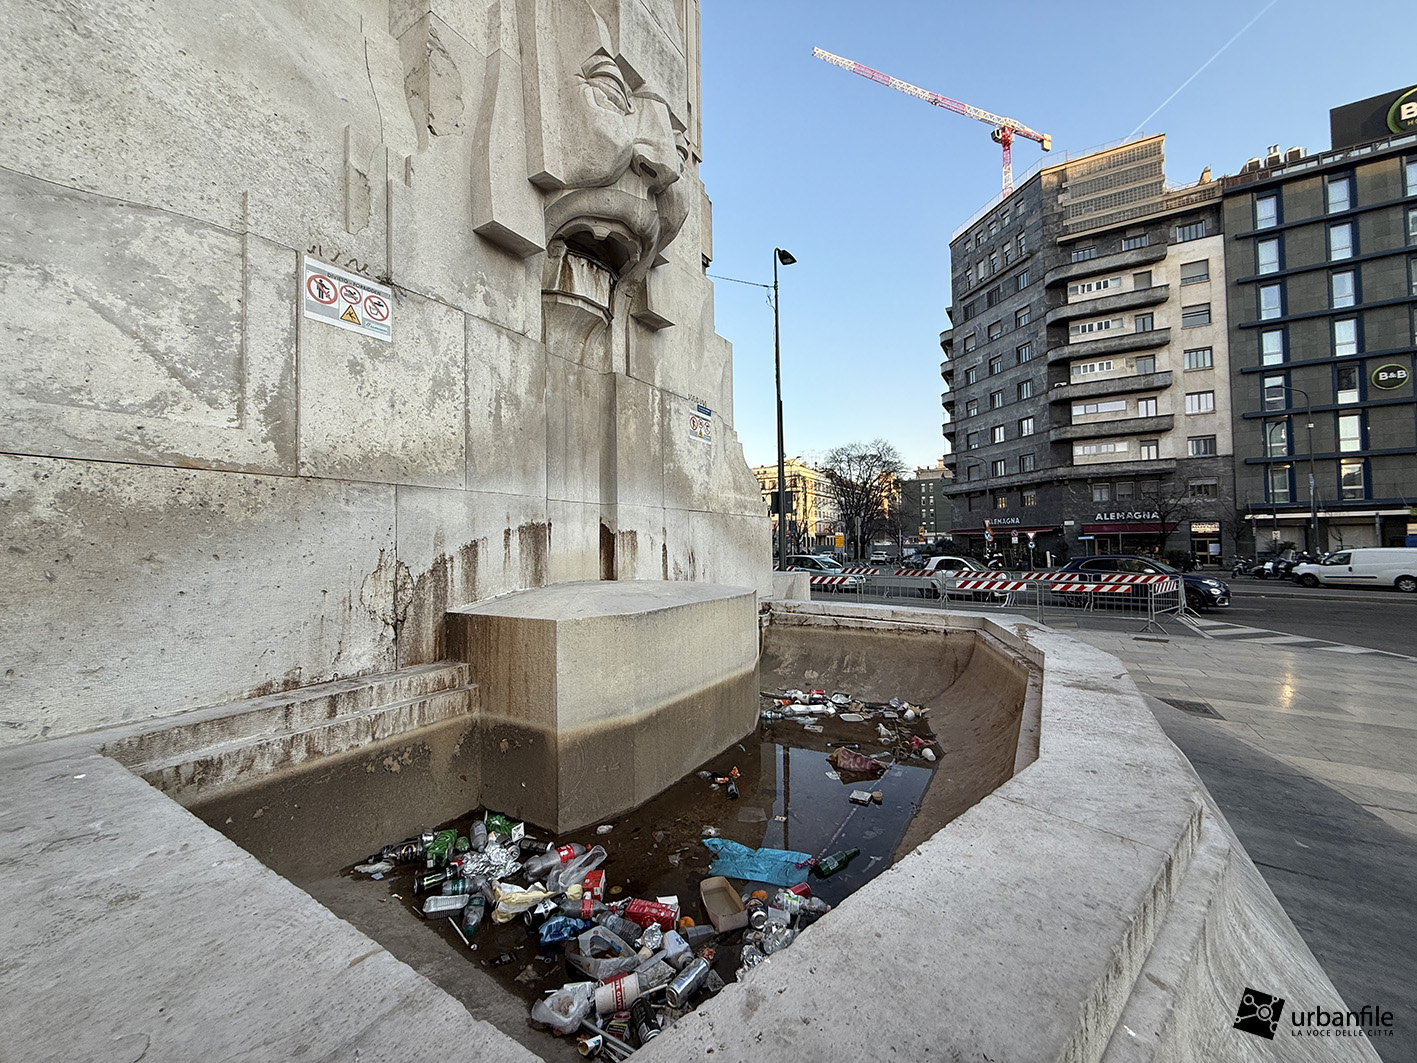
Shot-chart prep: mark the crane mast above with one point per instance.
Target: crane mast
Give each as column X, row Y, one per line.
column 1005, row 129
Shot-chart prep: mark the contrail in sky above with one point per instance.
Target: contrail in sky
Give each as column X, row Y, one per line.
column 1202, row 67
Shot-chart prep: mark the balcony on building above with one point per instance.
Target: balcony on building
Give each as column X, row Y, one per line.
column 1109, row 304
column 1117, row 263
column 1127, row 426
column 1116, row 385
column 1121, row 344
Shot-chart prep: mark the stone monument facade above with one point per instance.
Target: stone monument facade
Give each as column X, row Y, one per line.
column 321, row 320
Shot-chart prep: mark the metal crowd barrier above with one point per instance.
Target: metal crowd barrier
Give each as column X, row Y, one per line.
column 1155, row 597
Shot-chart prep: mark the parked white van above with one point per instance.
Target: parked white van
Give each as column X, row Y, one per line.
column 1376, row 566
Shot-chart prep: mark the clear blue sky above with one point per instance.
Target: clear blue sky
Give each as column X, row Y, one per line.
column 865, row 184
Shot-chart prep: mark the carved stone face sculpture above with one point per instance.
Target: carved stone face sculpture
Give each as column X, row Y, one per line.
column 611, row 85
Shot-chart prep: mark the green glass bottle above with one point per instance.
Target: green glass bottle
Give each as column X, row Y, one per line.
column 830, row 865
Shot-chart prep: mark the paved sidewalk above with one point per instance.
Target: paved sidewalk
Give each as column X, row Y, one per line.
column 1313, row 759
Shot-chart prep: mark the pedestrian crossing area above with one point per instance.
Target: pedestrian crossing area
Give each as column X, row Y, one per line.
column 1220, row 629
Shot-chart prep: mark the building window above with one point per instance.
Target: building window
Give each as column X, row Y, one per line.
column 1195, row 272
column 993, row 262
column 1008, row 254
column 1200, row 358
column 971, row 441
column 1279, row 483
column 1088, row 368
column 1025, row 426
column 1102, row 492
column 1082, row 254
column 993, row 226
column 969, row 276
column 971, row 408
column 1141, row 281
column 1412, row 225
column 1022, row 247
column 996, row 366
column 1102, row 284
column 1412, row 276
column 1143, row 323
column 1022, row 279
column 1410, row 182
column 1123, row 490
column 1084, row 328
column 1266, row 212
column 971, row 309
column 1146, row 364
column 1025, row 463
column 971, row 374
column 1271, row 346
column 1203, row 489
column 996, row 399
column 996, row 330
column 1352, row 482
column 1200, row 446
column 1200, row 402
column 1191, row 316
column 1340, row 241
column 1030, row 498
column 1083, row 409
column 1131, row 243
column 1267, row 255
column 1338, row 194
column 979, row 238
column 1350, row 432
column 1146, row 407
column 1272, row 392
column 1089, row 449
column 1345, row 337
column 1001, row 501
column 1149, row 449
column 1024, row 352
column 996, row 468
column 1025, row 389
column 1343, row 288
column 993, row 296
column 996, row 434
column 1346, row 384
column 970, row 342
column 1021, row 317
column 1270, row 297
column 1194, row 231
column 1276, row 439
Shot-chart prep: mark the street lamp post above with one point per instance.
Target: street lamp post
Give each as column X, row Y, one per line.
column 779, row 255
column 1309, row 442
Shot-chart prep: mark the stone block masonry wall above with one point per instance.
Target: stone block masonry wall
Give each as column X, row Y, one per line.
column 206, row 495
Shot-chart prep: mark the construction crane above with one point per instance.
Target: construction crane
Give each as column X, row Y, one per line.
column 1004, row 128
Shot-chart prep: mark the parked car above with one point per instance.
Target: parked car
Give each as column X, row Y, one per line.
column 1202, row 592
column 880, row 557
column 1376, row 566
column 821, row 565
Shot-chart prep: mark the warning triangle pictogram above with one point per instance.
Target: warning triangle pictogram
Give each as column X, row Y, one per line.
column 350, row 316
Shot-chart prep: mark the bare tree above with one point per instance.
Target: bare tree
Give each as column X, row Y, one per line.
column 862, row 477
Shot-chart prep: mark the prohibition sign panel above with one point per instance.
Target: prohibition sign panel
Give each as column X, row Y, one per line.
column 347, row 300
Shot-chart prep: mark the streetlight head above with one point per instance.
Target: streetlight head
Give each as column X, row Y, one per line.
column 785, row 257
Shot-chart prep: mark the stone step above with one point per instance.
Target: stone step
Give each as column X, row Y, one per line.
column 192, row 774
column 277, row 714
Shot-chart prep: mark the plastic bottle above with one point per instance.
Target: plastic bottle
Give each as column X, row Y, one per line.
column 478, row 836
column 794, row 903
column 621, row 927
column 573, row 872
column 538, row 866
column 830, row 865
column 585, row 908
column 476, row 908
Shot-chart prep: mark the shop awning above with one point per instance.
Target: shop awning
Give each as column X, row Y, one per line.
column 1006, row 530
column 1151, row 528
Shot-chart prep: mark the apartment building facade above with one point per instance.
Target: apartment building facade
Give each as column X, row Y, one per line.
column 1086, row 407
column 1322, row 286
column 812, row 517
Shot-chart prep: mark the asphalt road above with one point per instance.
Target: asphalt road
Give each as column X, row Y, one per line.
column 1376, row 619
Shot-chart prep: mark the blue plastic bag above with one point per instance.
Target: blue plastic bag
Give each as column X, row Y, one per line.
column 781, row 867
column 560, row 929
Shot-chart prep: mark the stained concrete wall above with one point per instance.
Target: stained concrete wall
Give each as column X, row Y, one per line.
column 205, row 495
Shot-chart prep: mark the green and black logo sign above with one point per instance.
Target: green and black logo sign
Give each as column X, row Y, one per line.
column 1391, row 376
column 1402, row 115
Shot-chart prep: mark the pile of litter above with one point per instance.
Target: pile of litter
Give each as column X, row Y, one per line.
column 636, row 965
column 616, row 969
